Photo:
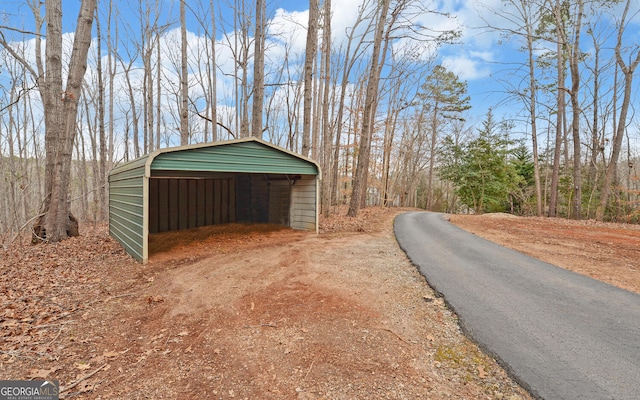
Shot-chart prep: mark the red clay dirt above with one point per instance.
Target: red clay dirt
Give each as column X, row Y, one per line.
column 605, row 251
column 260, row 312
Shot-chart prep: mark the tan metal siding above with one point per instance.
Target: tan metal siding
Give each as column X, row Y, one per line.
column 303, row 204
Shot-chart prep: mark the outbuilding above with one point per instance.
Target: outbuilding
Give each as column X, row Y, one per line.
column 237, row 181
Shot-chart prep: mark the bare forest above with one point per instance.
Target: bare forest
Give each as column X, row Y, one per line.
column 87, row 86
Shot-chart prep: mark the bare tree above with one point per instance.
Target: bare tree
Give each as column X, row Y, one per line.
column 523, row 18
column 126, row 69
column 101, row 181
column 628, row 70
column 326, row 126
column 359, row 181
column 573, row 49
column 349, row 62
column 213, row 101
column 60, row 110
column 238, row 43
column 112, row 69
column 184, row 77
column 258, row 70
column 529, row 18
column 309, row 62
column 560, row 111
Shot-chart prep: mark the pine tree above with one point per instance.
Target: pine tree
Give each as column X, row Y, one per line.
column 480, row 169
column 444, row 98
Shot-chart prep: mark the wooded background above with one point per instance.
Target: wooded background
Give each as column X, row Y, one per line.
column 388, row 123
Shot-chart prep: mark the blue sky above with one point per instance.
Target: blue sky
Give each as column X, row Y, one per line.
column 483, row 59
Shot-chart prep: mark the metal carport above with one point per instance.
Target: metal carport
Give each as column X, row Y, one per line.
column 244, row 180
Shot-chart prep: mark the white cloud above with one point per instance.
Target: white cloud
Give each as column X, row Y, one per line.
column 486, row 56
column 290, row 28
column 466, row 67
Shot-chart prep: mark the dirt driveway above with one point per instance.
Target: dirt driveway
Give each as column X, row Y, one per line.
column 242, row 312
column 605, row 251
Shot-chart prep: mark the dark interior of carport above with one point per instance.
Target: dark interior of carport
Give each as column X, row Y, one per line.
column 200, row 199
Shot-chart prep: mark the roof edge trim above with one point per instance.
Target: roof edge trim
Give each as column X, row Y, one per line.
column 158, row 152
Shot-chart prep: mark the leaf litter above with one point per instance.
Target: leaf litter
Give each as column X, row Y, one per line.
column 238, row 312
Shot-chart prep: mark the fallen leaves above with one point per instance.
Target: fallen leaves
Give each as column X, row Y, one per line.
column 85, row 387
column 155, row 299
column 45, row 290
column 83, row 366
column 106, row 323
column 110, row 354
column 42, row 373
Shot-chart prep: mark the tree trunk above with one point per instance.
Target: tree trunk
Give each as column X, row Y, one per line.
column 361, row 172
column 61, row 108
column 184, row 78
column 327, row 131
column 628, row 72
column 349, row 63
column 309, row 62
column 101, row 181
column 213, row 76
column 595, row 130
column 158, row 105
column 258, row 71
column 533, row 107
column 555, row 175
column 574, row 61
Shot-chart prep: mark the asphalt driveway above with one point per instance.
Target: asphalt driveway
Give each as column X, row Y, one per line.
column 560, row 334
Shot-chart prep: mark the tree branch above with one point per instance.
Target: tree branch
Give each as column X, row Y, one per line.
column 220, row 124
column 9, row 28
column 20, row 94
column 17, row 56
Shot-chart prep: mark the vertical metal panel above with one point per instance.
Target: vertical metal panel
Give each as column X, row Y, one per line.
column 231, row 206
column 208, row 202
column 279, row 202
column 154, row 206
column 174, row 204
column 226, row 201
column 201, row 211
column 303, row 204
column 126, row 209
column 192, row 205
column 183, row 204
column 259, row 199
column 217, row 201
column 163, row 208
column 243, row 198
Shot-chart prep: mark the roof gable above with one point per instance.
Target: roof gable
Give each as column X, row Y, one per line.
column 246, row 156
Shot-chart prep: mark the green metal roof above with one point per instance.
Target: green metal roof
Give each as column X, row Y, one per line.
column 249, row 155
column 246, row 157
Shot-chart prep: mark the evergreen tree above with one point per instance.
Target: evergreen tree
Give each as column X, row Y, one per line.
column 481, row 170
column 523, row 193
column 445, row 98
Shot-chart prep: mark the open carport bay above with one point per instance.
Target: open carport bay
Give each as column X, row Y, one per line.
column 177, row 202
